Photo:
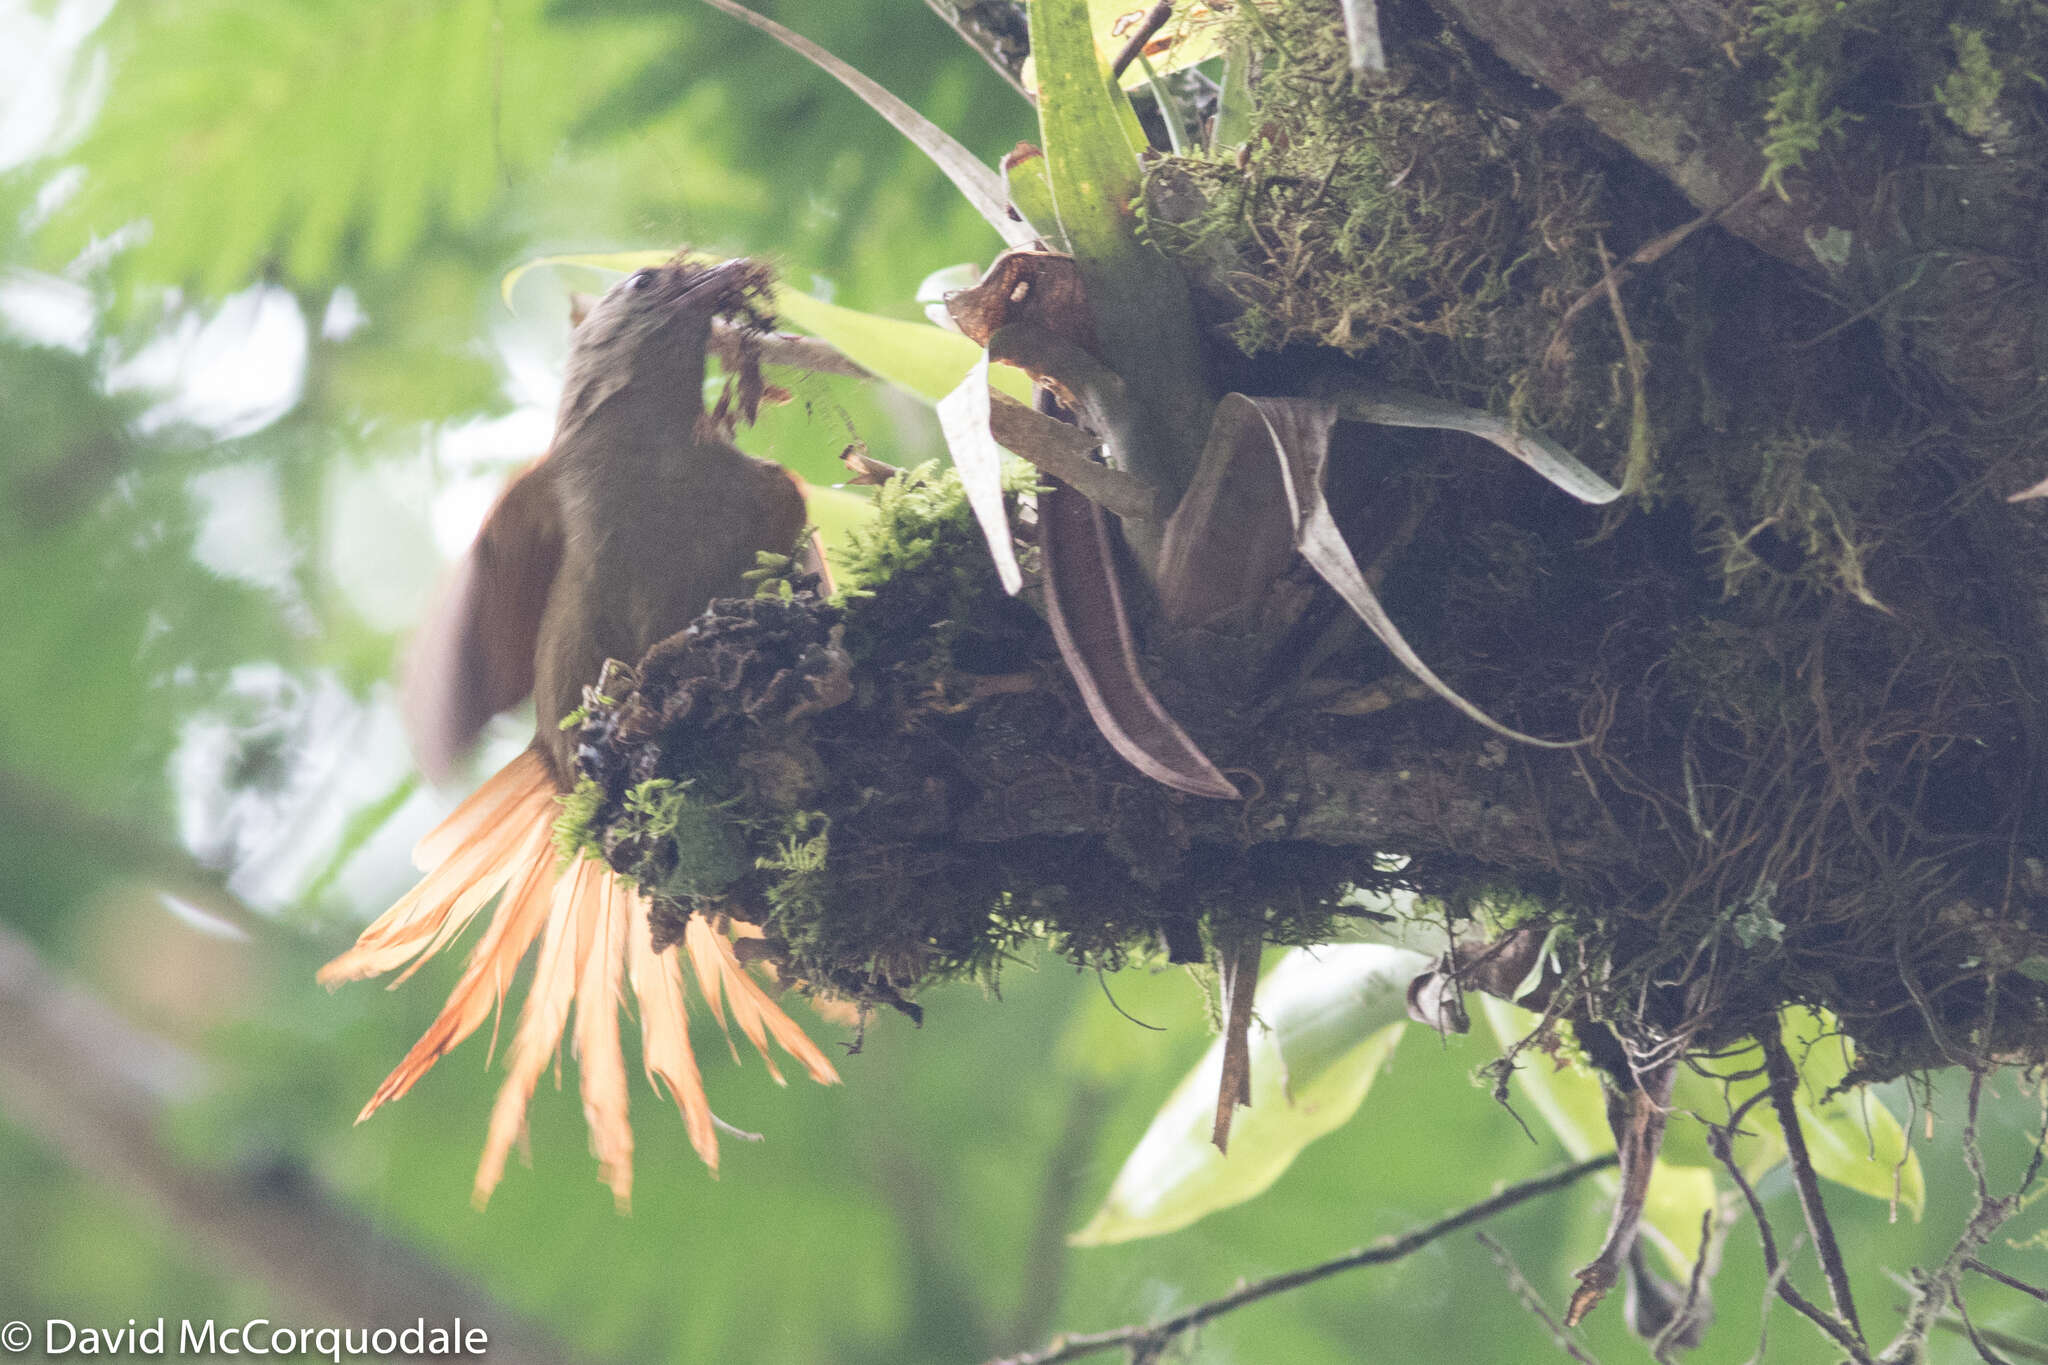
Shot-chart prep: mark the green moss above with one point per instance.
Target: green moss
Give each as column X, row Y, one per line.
column 797, row 883
column 695, row 848
column 1969, row 94
column 576, row 832
column 1805, row 41
column 1802, row 495
column 1832, row 63
column 919, row 515
column 1418, row 220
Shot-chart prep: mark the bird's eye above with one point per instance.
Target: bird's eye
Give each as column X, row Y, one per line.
column 639, row 280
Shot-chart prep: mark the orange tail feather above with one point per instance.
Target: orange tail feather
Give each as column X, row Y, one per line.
column 595, row 942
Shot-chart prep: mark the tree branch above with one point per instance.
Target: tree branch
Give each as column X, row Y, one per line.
column 1933, row 1289
column 1533, row 1301
column 1719, row 1139
column 1146, row 1336
column 95, row 1090
column 1783, row 1082
column 1661, row 96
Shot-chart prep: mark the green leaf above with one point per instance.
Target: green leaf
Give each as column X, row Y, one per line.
column 1329, row 1019
column 928, row 361
column 1854, row 1139
column 1031, row 192
column 1144, row 319
column 976, row 182
column 246, row 131
column 1234, row 104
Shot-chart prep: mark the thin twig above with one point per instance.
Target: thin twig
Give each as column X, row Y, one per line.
column 2017, row 1347
column 1683, row 1322
column 1718, row 1141
column 1783, row 1082
column 1984, row 1351
column 2008, row 1281
column 1142, row 1334
column 1533, row 1301
column 1616, row 274
column 1933, row 1288
column 1154, row 20
column 1772, row 1283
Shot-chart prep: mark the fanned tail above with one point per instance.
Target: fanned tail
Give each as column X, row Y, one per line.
column 719, row 973
column 468, row 858
column 595, row 943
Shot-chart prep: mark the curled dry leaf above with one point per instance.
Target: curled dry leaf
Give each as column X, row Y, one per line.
column 865, row 468
column 1067, row 453
column 1237, row 963
column 1085, row 607
column 1391, row 407
column 1637, row 1117
column 1040, row 287
column 1510, row 968
column 1434, row 999
column 1031, row 311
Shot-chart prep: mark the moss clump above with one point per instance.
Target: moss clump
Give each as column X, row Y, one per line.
column 902, row 787
column 576, row 833
column 1902, row 66
column 1804, row 663
column 1417, row 220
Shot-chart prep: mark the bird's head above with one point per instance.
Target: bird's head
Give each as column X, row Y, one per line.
column 654, row 325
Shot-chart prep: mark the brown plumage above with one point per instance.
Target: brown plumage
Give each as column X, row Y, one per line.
column 636, row 518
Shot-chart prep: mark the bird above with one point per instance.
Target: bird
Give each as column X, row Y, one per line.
column 636, row 518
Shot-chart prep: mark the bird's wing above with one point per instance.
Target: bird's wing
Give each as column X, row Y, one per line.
column 473, row 657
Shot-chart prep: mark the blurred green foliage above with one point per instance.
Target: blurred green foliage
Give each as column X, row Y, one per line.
column 198, row 631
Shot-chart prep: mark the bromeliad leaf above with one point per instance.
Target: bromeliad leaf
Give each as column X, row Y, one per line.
column 1292, row 437
column 1390, row 407
column 964, row 418
column 1084, row 605
column 1031, row 194
column 928, row 361
column 979, row 425
column 1144, row 317
column 982, row 187
column 1189, row 37
column 1329, row 1019
column 1362, row 37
